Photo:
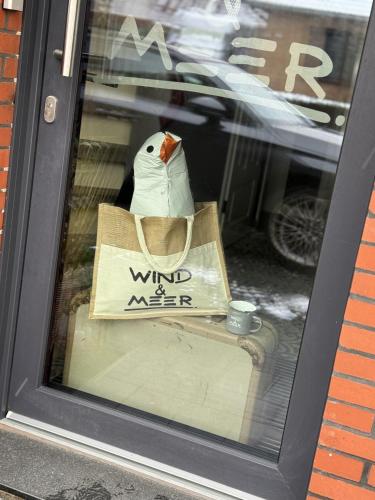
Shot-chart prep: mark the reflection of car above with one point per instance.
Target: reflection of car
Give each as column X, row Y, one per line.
column 265, row 163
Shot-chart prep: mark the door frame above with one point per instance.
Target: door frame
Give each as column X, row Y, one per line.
column 27, row 265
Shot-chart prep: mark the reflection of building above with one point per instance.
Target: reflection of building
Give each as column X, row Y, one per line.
column 210, row 29
column 336, row 27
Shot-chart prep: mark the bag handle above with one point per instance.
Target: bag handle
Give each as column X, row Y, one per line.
column 150, row 259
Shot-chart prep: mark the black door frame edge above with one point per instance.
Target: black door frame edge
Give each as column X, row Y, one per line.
column 25, row 128
column 349, row 205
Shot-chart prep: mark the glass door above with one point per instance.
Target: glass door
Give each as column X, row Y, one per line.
column 239, row 107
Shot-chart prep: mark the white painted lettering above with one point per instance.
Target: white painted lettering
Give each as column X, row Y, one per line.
column 257, row 62
column 308, row 74
column 155, row 35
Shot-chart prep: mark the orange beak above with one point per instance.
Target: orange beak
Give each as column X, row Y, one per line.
column 167, row 148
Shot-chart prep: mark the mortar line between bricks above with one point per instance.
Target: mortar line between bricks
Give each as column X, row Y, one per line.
column 349, row 455
column 367, row 243
column 349, row 429
column 364, row 271
column 335, row 476
column 359, row 407
column 359, row 325
column 357, row 353
column 344, row 479
column 371, row 215
column 7, row 31
column 362, row 298
column 316, row 495
column 365, row 472
column 4, row 55
column 355, row 406
column 353, row 378
column 332, row 423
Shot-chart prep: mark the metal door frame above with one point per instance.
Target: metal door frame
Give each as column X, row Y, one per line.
column 38, row 172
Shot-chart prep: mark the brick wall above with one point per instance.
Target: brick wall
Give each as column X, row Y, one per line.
column 344, row 466
column 10, row 31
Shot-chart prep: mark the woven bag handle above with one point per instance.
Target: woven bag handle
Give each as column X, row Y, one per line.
column 150, row 259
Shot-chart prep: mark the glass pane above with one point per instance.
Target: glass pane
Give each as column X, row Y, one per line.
column 257, row 94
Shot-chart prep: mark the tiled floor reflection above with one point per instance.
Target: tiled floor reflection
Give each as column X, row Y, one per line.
column 281, row 292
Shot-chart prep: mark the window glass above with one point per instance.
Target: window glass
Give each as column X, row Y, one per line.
column 193, row 315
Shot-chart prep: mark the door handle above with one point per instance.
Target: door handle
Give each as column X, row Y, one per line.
column 70, row 38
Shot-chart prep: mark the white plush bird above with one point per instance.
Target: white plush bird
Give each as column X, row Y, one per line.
column 161, row 180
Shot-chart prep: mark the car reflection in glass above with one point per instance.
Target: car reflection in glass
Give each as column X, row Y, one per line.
column 266, row 164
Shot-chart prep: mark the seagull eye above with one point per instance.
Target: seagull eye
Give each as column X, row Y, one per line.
column 150, row 149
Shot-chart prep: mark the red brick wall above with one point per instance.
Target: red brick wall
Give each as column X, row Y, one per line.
column 344, row 466
column 10, row 31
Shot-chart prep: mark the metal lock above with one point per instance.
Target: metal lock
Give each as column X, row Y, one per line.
column 50, row 109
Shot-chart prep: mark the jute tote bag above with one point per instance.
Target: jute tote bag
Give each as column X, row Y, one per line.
column 147, row 267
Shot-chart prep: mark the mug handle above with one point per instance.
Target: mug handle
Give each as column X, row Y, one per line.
column 260, row 324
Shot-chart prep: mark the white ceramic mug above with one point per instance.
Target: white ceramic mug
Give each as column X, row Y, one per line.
column 241, row 318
